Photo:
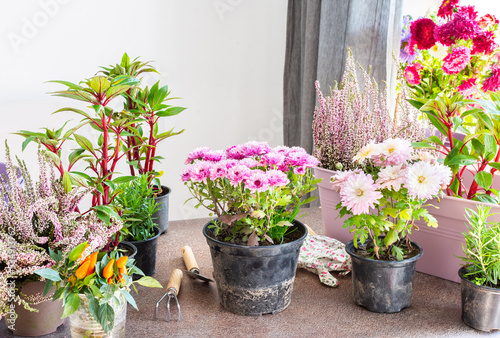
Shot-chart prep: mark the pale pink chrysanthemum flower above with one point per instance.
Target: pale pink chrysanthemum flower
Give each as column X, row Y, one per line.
column 186, row 173
column 371, row 149
column 236, row 152
column 196, row 154
column 424, row 156
column 249, row 162
column 277, row 178
column 391, row 177
column 257, row 181
column 396, row 151
column 238, row 174
column 299, row 170
column 444, row 172
column 341, row 176
column 359, row 193
column 423, row 180
column 255, row 148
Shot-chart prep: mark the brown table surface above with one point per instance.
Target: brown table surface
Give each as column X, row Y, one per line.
column 316, row 310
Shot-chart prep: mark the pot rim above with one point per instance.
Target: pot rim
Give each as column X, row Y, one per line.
column 158, row 233
column 382, row 262
column 164, row 187
column 461, row 272
column 267, row 247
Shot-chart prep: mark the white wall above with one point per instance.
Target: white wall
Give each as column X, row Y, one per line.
column 225, row 58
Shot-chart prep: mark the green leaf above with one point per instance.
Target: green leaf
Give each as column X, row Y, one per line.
column 495, row 165
column 150, row 282
column 462, row 160
column 84, row 143
column 93, row 306
column 124, row 179
column 71, row 304
column 99, row 84
column 170, row 111
column 484, row 179
column 391, row 237
column 405, row 214
column 66, row 182
column 130, row 299
column 106, row 316
column 47, row 287
column 76, row 252
column 49, row 274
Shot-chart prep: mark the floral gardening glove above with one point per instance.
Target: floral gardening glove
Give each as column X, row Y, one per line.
column 321, row 254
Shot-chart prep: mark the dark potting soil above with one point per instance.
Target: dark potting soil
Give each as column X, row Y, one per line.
column 159, row 192
column 366, row 251
column 293, row 234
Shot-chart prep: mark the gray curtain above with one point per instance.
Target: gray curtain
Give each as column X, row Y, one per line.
column 318, row 35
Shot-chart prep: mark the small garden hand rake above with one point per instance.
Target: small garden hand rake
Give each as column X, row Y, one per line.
column 173, row 288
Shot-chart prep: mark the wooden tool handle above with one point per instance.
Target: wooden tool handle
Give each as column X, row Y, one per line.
column 175, row 281
column 310, row 231
column 189, row 260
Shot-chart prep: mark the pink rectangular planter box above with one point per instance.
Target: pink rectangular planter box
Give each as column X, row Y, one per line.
column 441, row 245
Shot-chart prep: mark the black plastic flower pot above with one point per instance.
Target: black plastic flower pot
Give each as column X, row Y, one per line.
column 255, row 280
column 129, row 249
column 480, row 304
column 160, row 217
column 145, row 259
column 382, row 286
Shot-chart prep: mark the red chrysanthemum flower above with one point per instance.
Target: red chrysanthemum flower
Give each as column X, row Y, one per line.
column 469, row 11
column 467, row 88
column 412, row 74
column 484, row 43
column 492, row 83
column 422, row 33
column 460, row 28
column 487, row 20
column 446, row 8
column 457, row 60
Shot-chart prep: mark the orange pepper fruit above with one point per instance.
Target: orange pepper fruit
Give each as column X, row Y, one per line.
column 108, row 269
column 120, row 262
column 93, row 260
column 81, row 272
column 123, row 270
column 110, row 280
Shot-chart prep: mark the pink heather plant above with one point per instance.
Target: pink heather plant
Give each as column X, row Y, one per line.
column 350, row 118
column 255, row 194
column 389, row 196
column 39, row 217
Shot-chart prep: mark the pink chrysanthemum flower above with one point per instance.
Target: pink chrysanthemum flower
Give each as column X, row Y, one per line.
column 200, row 171
column 457, row 60
column 391, row 177
column 469, row 11
column 371, row 149
column 359, row 193
column 186, row 173
column 299, row 170
column 423, row 181
column 235, row 152
column 284, row 150
column 196, row 154
column 214, row 156
column 412, row 74
column 254, row 148
column 276, row 178
column 218, row 170
column 237, row 174
column 484, row 42
column 492, row 83
column 257, row 181
column 272, row 159
column 250, row 162
column 340, row 177
column 424, row 156
column 446, row 8
column 468, row 88
column 422, row 33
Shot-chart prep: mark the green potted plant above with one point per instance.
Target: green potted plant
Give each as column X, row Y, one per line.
column 145, row 107
column 338, row 134
column 136, row 205
column 384, row 200
column 37, row 218
column 480, row 275
column 448, row 68
column 95, row 287
column 255, row 193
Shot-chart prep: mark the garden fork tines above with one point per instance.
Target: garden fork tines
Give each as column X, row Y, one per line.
column 173, row 288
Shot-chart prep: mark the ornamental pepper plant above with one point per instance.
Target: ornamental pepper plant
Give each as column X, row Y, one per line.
column 37, row 218
column 387, row 196
column 98, row 276
column 254, row 190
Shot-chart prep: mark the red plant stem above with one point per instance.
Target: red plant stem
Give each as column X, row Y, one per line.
column 129, row 156
column 147, row 166
column 474, row 186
